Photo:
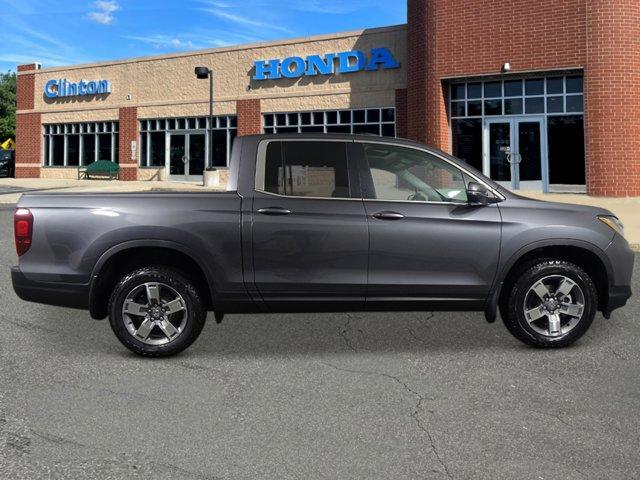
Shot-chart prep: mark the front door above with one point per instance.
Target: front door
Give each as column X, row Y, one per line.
column 309, row 230
column 428, row 246
column 186, row 156
column 515, row 152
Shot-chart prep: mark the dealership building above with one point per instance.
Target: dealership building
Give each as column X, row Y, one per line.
column 538, row 95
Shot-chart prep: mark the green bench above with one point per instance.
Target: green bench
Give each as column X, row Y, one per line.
column 101, row 168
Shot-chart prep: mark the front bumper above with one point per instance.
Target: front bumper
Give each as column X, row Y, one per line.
column 71, row 295
column 622, row 259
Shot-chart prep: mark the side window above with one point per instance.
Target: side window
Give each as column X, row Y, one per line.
column 400, row 173
column 305, row 169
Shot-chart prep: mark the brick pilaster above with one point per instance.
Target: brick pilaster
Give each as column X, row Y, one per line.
column 612, row 98
column 128, row 125
column 28, row 126
column 417, row 70
column 401, row 113
column 249, row 116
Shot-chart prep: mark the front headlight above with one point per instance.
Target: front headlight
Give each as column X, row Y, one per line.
column 613, row 223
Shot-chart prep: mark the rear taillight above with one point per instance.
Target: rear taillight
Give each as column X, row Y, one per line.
column 23, row 230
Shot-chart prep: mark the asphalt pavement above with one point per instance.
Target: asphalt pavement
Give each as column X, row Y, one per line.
column 331, row 396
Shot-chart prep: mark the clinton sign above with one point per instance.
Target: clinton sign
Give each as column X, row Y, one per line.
column 64, row 88
column 328, row 64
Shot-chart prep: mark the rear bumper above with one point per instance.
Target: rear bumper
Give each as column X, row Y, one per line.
column 71, row 295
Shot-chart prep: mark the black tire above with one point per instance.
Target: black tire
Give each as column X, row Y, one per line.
column 194, row 308
column 513, row 314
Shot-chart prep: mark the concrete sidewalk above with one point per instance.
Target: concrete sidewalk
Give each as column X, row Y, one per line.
column 627, row 209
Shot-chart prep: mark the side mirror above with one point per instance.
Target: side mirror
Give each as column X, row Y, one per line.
column 479, row 194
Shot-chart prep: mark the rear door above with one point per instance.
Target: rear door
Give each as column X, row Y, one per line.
column 427, row 245
column 309, row 231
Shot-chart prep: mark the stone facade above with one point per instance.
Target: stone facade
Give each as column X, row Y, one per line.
column 165, row 86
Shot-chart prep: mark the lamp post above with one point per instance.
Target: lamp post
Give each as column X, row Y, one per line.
column 203, row 73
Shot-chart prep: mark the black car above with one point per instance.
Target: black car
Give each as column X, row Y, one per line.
column 7, row 163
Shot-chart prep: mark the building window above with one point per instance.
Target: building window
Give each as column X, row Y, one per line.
column 566, row 150
column 154, row 134
column 558, row 99
column 76, row 144
column 550, row 95
column 467, row 144
column 374, row 121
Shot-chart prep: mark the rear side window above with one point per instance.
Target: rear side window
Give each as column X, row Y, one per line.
column 304, row 169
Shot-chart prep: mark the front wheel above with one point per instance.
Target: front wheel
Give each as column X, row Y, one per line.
column 156, row 312
column 551, row 304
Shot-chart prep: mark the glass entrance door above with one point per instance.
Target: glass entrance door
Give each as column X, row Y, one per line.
column 498, row 149
column 529, row 154
column 515, row 152
column 177, row 161
column 196, row 157
column 186, row 156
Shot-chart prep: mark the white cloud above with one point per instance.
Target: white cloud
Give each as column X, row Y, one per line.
column 24, row 44
column 104, row 11
column 245, row 21
column 164, row 41
column 327, row 6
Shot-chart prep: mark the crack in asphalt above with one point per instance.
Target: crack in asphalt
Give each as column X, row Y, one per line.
column 56, row 439
column 415, row 414
column 607, row 345
column 346, row 328
column 343, row 333
column 413, row 335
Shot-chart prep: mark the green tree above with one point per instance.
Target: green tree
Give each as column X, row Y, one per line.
column 7, row 106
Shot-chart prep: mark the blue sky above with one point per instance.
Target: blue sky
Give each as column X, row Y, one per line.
column 66, row 33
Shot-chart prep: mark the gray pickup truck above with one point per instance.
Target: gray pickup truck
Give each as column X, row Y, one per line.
column 319, row 223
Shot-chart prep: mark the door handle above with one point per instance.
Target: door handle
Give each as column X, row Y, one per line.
column 274, row 211
column 388, row 216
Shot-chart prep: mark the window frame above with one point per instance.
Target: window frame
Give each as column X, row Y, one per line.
column 368, row 188
column 352, row 170
column 271, row 125
column 464, row 101
column 82, row 129
column 169, row 125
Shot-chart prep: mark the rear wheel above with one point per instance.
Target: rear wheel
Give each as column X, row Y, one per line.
column 551, row 304
column 156, row 312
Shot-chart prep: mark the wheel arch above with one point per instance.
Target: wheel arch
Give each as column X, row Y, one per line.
column 587, row 256
column 127, row 256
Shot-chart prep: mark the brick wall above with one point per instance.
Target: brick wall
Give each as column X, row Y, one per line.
column 249, row 117
column 128, row 125
column 25, row 88
column 612, row 108
column 474, row 37
column 28, row 126
column 449, row 38
column 401, row 113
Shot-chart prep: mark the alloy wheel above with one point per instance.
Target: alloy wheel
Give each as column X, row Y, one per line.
column 154, row 313
column 554, row 305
